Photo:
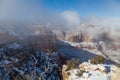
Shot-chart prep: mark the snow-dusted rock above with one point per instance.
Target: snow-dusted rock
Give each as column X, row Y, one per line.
column 71, row 74
column 86, row 71
column 64, row 67
column 86, row 66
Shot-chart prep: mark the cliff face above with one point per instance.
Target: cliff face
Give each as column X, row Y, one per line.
column 74, row 36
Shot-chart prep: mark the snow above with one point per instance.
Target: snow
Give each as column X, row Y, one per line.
column 6, row 62
column 91, row 72
column 14, row 59
column 97, row 75
column 86, row 75
column 14, row 46
column 20, row 71
column 92, row 75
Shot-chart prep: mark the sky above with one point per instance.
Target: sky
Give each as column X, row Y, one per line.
column 100, row 8
column 71, row 12
column 85, row 7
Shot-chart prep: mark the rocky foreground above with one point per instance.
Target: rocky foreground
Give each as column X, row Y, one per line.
column 26, row 63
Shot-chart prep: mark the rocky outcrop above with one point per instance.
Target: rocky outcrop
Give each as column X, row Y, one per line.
column 86, row 71
column 86, row 66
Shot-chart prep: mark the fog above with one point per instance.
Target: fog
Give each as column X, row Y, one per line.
column 23, row 15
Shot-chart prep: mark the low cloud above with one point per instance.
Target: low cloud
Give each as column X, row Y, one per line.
column 71, row 18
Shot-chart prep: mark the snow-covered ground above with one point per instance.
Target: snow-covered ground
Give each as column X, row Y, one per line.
column 88, row 50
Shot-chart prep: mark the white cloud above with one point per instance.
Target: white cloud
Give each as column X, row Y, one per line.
column 71, row 18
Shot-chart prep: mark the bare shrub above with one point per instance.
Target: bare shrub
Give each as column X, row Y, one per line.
column 45, row 40
column 73, row 63
column 118, row 65
column 98, row 60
